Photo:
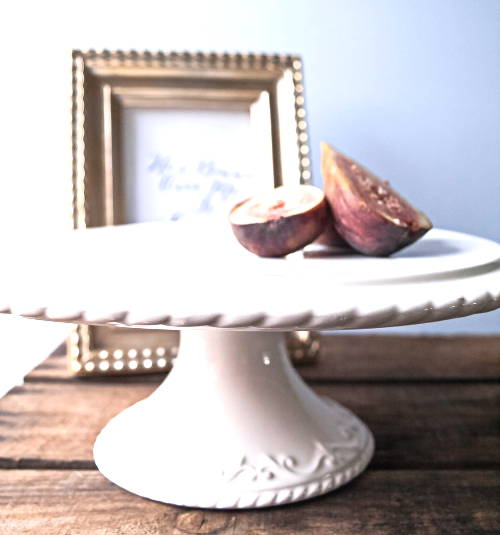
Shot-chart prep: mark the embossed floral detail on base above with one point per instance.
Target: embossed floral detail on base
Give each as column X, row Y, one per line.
column 345, row 463
column 326, row 458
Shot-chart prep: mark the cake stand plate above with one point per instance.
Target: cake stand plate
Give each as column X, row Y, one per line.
column 233, row 425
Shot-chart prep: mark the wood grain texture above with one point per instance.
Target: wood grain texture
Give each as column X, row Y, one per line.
column 433, row 404
column 415, row 425
column 378, row 502
column 351, row 357
column 58, row 423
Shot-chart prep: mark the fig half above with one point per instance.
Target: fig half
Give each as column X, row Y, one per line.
column 280, row 221
column 368, row 214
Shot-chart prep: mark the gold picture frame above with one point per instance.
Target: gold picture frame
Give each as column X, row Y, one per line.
column 107, row 87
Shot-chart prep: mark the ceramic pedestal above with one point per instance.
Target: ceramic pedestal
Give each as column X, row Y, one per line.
column 233, row 426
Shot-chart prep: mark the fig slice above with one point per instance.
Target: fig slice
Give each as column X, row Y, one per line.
column 330, row 236
column 368, row 214
column 280, row 221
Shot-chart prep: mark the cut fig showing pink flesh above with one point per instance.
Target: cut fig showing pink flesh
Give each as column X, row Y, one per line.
column 368, row 214
column 280, row 221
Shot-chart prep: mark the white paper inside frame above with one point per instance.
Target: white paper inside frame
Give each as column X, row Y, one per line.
column 194, row 163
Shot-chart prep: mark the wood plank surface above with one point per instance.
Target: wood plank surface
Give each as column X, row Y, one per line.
column 433, row 404
column 351, row 357
column 378, row 502
column 415, row 425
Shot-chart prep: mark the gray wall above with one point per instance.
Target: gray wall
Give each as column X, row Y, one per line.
column 410, row 88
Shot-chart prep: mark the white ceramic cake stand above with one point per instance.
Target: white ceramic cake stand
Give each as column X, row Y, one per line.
column 233, row 425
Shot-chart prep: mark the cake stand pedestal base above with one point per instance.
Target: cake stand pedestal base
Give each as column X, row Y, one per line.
column 233, row 426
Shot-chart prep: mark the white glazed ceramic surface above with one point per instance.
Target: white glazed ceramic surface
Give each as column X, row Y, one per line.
column 181, row 275
column 233, row 425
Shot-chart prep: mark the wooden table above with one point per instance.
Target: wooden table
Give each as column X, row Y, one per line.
column 431, row 402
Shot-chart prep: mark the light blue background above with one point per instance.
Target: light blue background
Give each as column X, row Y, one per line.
column 409, row 88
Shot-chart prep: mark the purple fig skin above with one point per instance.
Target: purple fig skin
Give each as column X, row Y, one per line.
column 369, row 215
column 330, row 235
column 283, row 235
